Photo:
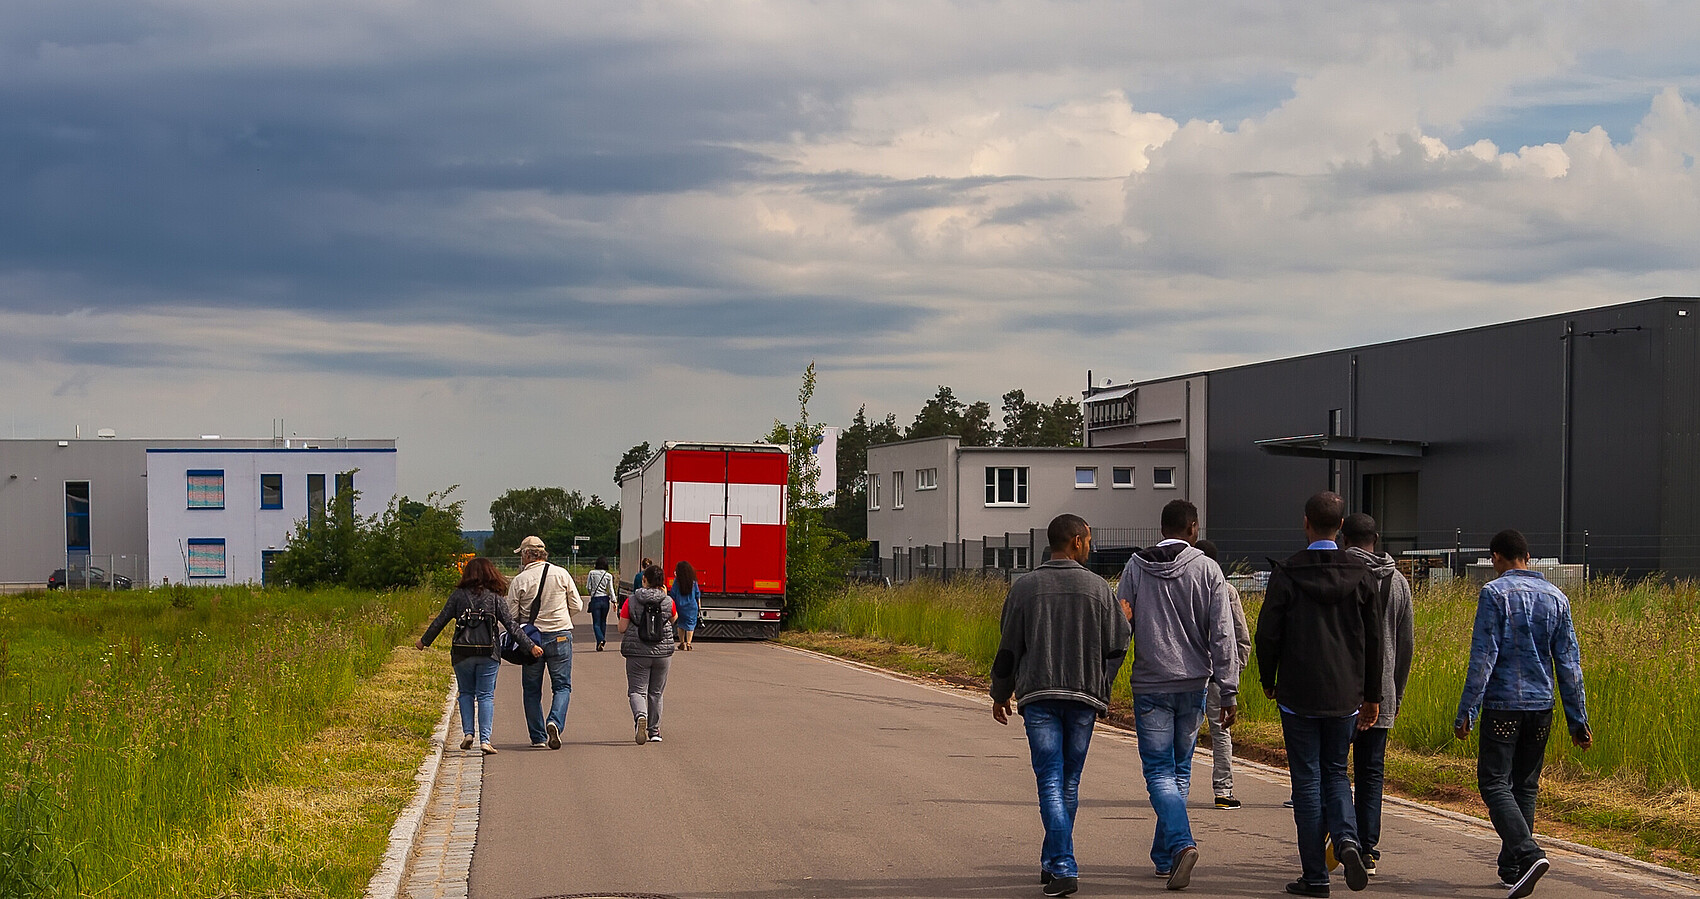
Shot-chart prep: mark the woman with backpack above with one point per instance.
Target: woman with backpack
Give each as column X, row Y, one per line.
column 600, row 585
column 477, row 606
column 687, row 599
column 646, row 626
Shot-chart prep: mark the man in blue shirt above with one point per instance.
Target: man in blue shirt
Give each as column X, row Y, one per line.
column 1523, row 643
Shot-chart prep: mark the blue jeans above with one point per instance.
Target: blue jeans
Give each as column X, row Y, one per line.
column 1508, row 772
column 476, row 678
column 1369, row 773
column 558, row 659
column 1167, row 725
column 599, row 618
column 1322, row 791
column 1058, row 734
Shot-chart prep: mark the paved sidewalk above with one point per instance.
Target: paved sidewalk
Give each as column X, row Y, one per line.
column 442, row 853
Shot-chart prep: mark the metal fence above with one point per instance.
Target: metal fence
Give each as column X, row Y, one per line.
column 1006, row 555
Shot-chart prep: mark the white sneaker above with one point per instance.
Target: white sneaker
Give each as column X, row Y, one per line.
column 554, row 735
column 654, row 738
column 640, row 731
column 466, row 741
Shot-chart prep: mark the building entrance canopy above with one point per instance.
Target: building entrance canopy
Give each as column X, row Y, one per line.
column 1323, row 446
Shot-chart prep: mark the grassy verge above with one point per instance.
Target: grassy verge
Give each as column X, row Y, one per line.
column 223, row 742
column 1634, row 793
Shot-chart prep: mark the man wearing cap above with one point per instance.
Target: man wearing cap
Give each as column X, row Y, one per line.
column 545, row 595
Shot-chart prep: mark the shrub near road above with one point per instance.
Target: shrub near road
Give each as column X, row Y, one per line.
column 146, row 728
column 1641, row 662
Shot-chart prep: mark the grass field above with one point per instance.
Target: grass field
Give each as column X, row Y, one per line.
column 208, row 742
column 1641, row 664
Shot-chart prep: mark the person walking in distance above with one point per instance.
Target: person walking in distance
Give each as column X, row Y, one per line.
column 1062, row 641
column 637, row 577
column 1221, row 737
column 544, row 595
column 600, row 585
column 647, row 643
column 1183, row 641
column 1319, row 655
column 477, row 607
column 1369, row 747
column 687, row 599
column 1523, row 646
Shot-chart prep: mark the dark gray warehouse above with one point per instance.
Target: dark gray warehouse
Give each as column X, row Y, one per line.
column 1581, row 429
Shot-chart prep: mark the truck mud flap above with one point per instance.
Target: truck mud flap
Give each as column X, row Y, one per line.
column 737, row 630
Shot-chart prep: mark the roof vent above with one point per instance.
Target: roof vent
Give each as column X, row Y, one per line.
column 107, row 433
column 209, row 436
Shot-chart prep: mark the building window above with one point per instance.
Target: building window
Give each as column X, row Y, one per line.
column 315, row 499
column 1336, row 422
column 926, row 479
column 77, row 517
column 1006, row 557
column 897, row 490
column 873, row 492
column 1085, row 477
column 206, row 488
column 1121, row 411
column 345, row 483
column 1121, row 478
column 268, row 560
column 271, row 491
column 206, row 558
column 1163, row 478
column 1006, row 486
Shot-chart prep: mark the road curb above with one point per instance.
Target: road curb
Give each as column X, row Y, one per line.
column 392, row 872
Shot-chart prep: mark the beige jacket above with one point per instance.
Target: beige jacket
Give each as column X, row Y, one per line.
column 560, row 597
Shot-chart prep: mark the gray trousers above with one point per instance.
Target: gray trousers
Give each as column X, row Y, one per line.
column 1221, row 744
column 646, row 677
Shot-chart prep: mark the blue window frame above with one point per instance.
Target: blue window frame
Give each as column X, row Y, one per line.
column 271, row 491
column 206, row 488
column 206, row 557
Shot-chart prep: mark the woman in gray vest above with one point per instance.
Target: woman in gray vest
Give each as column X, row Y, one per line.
column 646, row 626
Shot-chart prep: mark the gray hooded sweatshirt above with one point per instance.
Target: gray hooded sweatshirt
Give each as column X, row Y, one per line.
column 1183, row 624
column 1398, row 639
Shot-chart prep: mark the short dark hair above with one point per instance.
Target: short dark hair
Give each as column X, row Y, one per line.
column 1510, row 544
column 601, row 563
column 1325, row 511
column 653, row 576
column 1178, row 515
column 1359, row 530
column 1064, row 528
column 1208, row 547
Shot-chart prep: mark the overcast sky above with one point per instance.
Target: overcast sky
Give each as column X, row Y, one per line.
column 520, row 237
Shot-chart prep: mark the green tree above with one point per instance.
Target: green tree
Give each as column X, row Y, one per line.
column 1021, row 419
column 1060, row 423
column 631, row 461
column 520, row 513
column 596, row 521
column 849, row 510
column 321, row 549
column 945, row 415
column 817, row 557
column 408, row 542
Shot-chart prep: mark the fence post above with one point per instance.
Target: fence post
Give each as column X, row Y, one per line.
column 1585, row 570
column 1458, row 552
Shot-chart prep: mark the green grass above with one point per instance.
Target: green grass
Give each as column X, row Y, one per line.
column 147, row 724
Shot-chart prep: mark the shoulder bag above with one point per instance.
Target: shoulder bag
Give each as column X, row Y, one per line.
column 514, row 651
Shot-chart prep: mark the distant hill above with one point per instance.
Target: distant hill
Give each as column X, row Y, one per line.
column 475, row 540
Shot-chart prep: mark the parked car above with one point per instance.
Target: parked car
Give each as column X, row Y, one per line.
column 93, row 578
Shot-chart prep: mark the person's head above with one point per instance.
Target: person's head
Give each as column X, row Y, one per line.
column 601, row 563
column 531, row 549
column 1358, row 532
column 1070, row 537
column 1323, row 514
column 1208, row 547
column 481, row 574
column 647, row 561
column 653, row 576
column 684, row 576
column 1180, row 521
column 1510, row 550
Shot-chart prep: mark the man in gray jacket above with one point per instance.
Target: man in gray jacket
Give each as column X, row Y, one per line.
column 1369, row 747
column 1063, row 640
column 1183, row 640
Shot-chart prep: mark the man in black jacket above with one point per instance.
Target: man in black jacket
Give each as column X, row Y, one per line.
column 1064, row 639
column 1319, row 654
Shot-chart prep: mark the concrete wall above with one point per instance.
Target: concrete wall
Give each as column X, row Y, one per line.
column 927, row 516
column 32, row 506
column 1172, row 413
column 247, row 529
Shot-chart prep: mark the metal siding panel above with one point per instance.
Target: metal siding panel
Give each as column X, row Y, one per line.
column 1679, row 513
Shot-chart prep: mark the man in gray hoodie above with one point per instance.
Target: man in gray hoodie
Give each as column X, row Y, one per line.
column 1063, row 641
column 1369, row 746
column 1183, row 640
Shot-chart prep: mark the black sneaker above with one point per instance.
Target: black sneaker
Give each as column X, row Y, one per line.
column 1287, row 804
column 1227, row 802
column 1300, row 888
column 1044, row 877
column 554, row 733
column 1369, row 865
column 1062, row 886
column 1357, row 876
column 1525, row 885
column 1181, row 875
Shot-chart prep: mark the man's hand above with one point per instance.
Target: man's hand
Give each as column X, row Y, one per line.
column 1585, row 741
column 1461, row 731
column 1367, row 715
column 1268, row 693
column 1000, row 712
column 536, row 651
column 1127, row 610
column 1230, row 714
column 419, row 644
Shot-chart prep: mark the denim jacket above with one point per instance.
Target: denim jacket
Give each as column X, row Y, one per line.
column 1522, row 629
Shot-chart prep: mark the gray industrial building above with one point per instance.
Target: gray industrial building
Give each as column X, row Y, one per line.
column 1582, row 430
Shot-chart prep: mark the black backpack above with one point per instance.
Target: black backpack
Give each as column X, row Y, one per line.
column 475, row 630
column 652, row 623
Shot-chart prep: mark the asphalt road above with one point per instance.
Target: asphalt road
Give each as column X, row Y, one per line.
column 785, row 774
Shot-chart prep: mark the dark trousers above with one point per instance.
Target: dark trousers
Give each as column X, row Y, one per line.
column 599, row 618
column 1369, row 773
column 1322, row 790
column 1508, row 771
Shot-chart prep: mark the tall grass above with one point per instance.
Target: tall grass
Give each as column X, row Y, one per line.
column 1640, row 661
column 137, row 717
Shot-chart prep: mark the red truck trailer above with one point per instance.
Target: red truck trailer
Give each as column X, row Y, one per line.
column 720, row 507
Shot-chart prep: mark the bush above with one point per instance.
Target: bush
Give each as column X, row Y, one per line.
column 406, row 545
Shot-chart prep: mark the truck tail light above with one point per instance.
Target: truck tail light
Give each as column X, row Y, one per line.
column 770, row 616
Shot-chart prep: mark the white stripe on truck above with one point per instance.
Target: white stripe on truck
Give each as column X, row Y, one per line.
column 697, row 501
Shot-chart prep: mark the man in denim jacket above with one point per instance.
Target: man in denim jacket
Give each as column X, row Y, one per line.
column 1523, row 642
